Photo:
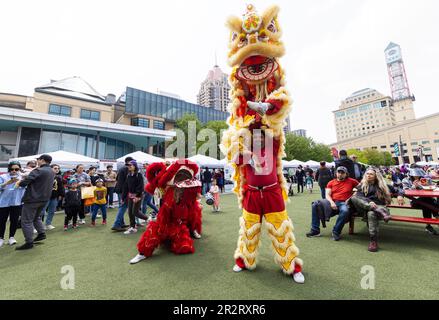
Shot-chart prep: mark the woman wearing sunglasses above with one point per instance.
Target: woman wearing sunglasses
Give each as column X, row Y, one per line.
column 10, row 201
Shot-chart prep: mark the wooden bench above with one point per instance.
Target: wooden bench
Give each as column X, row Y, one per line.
column 398, row 218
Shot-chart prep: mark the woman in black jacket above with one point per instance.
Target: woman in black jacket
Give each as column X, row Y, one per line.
column 132, row 192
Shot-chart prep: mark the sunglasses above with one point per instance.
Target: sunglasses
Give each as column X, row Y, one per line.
column 15, row 169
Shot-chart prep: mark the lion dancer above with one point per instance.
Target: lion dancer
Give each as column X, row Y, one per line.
column 259, row 107
column 179, row 216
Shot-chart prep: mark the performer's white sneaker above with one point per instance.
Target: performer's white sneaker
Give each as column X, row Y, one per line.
column 196, row 235
column 298, row 277
column 237, row 268
column 139, row 257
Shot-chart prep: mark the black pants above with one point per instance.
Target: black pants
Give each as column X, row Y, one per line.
column 134, row 211
column 71, row 213
column 82, row 210
column 13, row 213
column 426, row 213
column 300, row 186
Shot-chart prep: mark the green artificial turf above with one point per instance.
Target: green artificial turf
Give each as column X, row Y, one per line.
column 405, row 267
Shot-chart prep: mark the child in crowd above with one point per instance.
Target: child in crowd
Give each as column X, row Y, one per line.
column 309, row 182
column 99, row 203
column 72, row 204
column 215, row 191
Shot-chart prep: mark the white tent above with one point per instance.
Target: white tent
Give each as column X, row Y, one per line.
column 312, row 164
column 330, row 164
column 287, row 164
column 66, row 160
column 205, row 161
column 433, row 163
column 422, row 163
column 141, row 157
column 296, row 163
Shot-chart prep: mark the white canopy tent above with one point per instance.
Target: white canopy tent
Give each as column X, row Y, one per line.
column 66, row 160
column 141, row 157
column 296, row 163
column 287, row 164
column 433, row 163
column 312, row 164
column 330, row 164
column 422, row 163
column 205, row 161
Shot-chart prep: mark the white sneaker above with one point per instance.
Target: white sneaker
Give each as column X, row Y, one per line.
column 139, row 257
column 298, row 277
column 1, row 242
column 12, row 241
column 50, row 227
column 35, row 231
column 98, row 216
column 237, row 268
column 81, row 221
column 130, row 231
column 196, row 235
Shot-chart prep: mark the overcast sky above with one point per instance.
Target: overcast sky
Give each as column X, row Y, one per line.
column 334, row 47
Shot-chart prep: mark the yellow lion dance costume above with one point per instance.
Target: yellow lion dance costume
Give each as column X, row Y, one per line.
column 260, row 104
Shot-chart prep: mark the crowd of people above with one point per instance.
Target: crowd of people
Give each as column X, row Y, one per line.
column 354, row 189
column 30, row 196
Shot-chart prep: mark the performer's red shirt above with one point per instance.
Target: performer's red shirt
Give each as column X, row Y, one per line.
column 268, row 159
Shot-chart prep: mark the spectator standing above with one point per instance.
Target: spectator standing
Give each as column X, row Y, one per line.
column 344, row 161
column 132, row 194
column 92, row 172
column 148, row 200
column 110, row 183
column 72, row 203
column 57, row 195
column 207, row 180
column 359, row 169
column 338, row 191
column 323, row 177
column 300, row 177
column 100, row 202
column 83, row 180
column 10, row 201
column 39, row 184
column 31, row 165
column 122, row 173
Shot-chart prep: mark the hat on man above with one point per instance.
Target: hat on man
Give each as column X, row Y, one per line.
column 343, row 169
column 47, row 158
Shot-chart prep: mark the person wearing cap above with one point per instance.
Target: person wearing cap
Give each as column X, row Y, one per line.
column 413, row 182
column 72, row 203
column 338, row 191
column 39, row 185
column 100, row 203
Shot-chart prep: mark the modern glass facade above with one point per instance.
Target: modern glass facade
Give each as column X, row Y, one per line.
column 151, row 104
column 42, row 141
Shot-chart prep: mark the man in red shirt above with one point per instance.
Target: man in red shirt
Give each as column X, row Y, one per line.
column 338, row 191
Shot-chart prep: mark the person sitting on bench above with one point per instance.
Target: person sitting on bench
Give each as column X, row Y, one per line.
column 370, row 200
column 413, row 182
column 338, row 191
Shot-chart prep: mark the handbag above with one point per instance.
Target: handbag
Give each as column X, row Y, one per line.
column 89, row 201
column 209, row 199
column 88, row 192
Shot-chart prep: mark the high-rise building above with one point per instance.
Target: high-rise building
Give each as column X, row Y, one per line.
column 399, row 86
column 214, row 90
column 300, row 132
column 363, row 112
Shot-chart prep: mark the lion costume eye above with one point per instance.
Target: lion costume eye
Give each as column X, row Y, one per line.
column 234, row 36
column 272, row 26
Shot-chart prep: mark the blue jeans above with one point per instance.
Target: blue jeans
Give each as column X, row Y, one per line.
column 339, row 224
column 94, row 211
column 118, row 223
column 207, row 187
column 50, row 208
column 147, row 202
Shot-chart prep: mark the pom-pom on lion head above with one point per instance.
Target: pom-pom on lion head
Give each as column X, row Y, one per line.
column 254, row 35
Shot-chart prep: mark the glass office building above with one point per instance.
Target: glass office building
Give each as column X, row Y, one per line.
column 151, row 104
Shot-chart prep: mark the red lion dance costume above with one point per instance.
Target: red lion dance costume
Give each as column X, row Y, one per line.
column 259, row 107
column 179, row 215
